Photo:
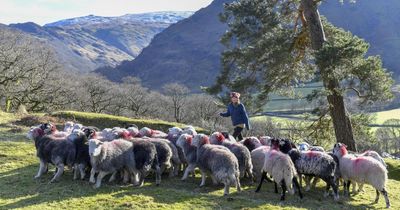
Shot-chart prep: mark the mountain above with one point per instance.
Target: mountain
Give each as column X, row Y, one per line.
column 85, row 43
column 189, row 51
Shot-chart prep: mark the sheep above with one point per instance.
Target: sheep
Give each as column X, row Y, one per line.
column 257, row 159
column 363, row 169
column 82, row 159
column 109, row 157
column 221, row 164
column 173, row 136
column 190, row 153
column 146, row 159
column 282, row 170
column 68, row 126
column 241, row 152
column 265, row 140
column 147, row 132
column 174, row 132
column 56, row 151
column 304, row 146
column 133, row 131
column 251, row 143
column 313, row 163
column 228, row 137
column 189, row 130
column 377, row 157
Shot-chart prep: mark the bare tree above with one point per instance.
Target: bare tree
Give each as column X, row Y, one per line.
column 177, row 95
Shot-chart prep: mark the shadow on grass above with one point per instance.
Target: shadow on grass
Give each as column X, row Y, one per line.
column 21, row 190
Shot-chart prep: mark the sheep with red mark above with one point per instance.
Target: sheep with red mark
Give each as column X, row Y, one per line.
column 189, row 130
column 265, row 140
column 148, row 132
column 189, row 152
column 281, row 168
column 257, row 159
column 240, row 151
column 377, row 157
column 110, row 157
column 313, row 163
column 57, row 151
column 363, row 169
column 220, row 164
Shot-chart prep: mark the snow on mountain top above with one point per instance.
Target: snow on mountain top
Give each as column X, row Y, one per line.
column 161, row 17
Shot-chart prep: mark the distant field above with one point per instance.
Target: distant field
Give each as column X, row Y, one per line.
column 18, row 189
column 381, row 117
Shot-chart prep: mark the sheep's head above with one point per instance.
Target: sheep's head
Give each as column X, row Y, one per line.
column 174, row 131
column 145, row 131
column 95, row 147
column 190, row 130
column 184, row 139
column 200, row 140
column 78, row 126
column 125, row 134
column 68, row 126
column 133, row 131
column 265, row 140
column 35, row 133
column 76, row 134
column 217, row 138
column 90, row 133
column 132, row 126
column 47, row 128
column 285, row 145
column 340, row 149
column 251, row 143
column 275, row 143
column 304, row 146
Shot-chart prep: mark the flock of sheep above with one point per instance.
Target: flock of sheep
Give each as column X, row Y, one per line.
column 131, row 154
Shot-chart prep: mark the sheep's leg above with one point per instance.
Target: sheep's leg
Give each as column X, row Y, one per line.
column 385, row 194
column 113, row 176
column 203, row 178
column 60, row 171
column 42, row 169
column 172, row 171
column 307, row 180
column 296, row 184
column 125, row 179
column 283, row 186
column 226, row 188
column 158, row 176
column 354, row 187
column 347, row 187
column 141, row 180
column 92, row 174
column 188, row 169
column 276, row 187
column 100, row 177
column 82, row 170
column 238, row 187
column 331, row 182
column 250, row 175
column 76, row 171
column 263, row 176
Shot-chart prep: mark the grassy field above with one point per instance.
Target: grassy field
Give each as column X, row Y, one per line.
column 18, row 189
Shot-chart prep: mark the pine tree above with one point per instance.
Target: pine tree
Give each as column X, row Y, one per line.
column 274, row 46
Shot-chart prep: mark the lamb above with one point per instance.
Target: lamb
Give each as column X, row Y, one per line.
column 377, row 157
column 59, row 152
column 110, row 157
column 82, row 160
column 363, row 169
column 282, row 170
column 241, row 152
column 189, row 152
column 313, row 163
column 221, row 164
column 251, row 143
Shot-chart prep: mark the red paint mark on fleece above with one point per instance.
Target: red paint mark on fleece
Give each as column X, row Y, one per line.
column 312, row 154
column 126, row 135
column 357, row 163
column 205, row 140
column 343, row 150
column 189, row 139
column 220, row 137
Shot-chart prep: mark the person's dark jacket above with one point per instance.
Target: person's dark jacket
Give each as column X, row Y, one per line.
column 238, row 115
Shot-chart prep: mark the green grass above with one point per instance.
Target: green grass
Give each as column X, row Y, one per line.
column 381, row 117
column 18, row 189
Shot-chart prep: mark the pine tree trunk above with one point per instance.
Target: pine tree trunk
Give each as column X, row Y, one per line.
column 341, row 121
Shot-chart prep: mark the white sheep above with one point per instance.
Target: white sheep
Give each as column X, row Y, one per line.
column 363, row 169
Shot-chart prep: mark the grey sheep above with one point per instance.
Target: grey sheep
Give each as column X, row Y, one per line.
column 220, row 164
column 240, row 151
column 190, row 153
column 110, row 157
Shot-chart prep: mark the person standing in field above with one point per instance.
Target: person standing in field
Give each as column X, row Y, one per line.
column 238, row 114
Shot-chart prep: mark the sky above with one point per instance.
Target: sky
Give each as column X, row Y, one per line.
column 47, row 11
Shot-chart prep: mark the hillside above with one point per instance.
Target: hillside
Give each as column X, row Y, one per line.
column 18, row 189
column 189, row 51
column 86, row 43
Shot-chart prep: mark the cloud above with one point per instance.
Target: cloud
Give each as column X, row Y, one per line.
column 45, row 11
